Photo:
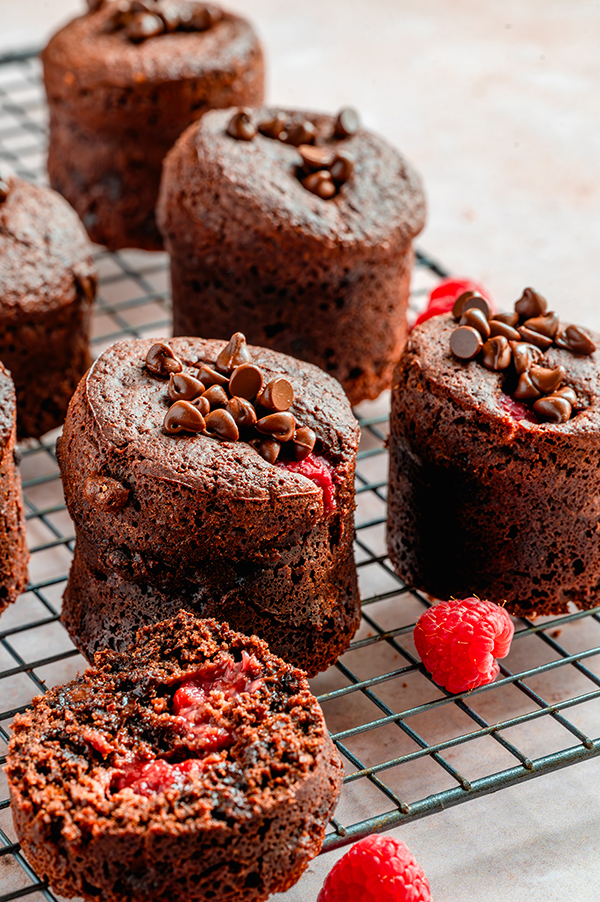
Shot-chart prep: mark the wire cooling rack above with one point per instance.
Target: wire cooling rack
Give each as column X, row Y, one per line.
column 409, row 748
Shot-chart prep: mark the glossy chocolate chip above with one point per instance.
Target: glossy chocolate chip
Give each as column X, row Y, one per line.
column 161, row 361
column 316, row 158
column 202, row 404
column 242, row 412
column 209, row 377
column 105, row 493
column 535, row 338
column 141, row 26
column 4, row 189
column 183, row 387
column 277, row 395
column 342, row 167
column 233, row 354
column 499, row 328
column 268, row 448
column 479, row 303
column 280, row 426
column 347, row 123
column 221, row 424
column 303, row 442
column 305, row 133
column 475, row 318
column 216, row 396
column 553, row 409
column 576, row 340
column 459, row 304
column 246, row 381
column 546, row 324
column 545, row 379
column 495, row 354
column 320, row 183
column 183, row 417
column 273, row 128
column 511, row 319
column 199, row 16
column 526, row 390
column 241, row 126
column 466, row 342
column 531, row 304
column 566, row 392
column 524, row 354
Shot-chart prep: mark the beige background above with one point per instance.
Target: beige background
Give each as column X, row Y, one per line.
column 497, row 104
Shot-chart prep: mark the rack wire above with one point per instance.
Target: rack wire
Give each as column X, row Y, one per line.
column 409, row 748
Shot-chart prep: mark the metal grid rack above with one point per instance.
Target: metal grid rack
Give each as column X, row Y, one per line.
column 410, row 749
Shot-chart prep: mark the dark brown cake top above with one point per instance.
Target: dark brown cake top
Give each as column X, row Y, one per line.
column 258, row 179
column 194, row 722
column 44, row 250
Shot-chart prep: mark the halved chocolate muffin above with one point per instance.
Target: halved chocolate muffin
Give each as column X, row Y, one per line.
column 195, row 766
column 47, row 286
column 296, row 228
column 13, row 544
column 123, row 82
column 215, row 477
column 495, row 458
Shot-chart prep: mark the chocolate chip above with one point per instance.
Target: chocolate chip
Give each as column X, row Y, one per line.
column 511, row 319
column 320, row 183
column 216, row 396
column 161, row 361
column 535, row 338
column 273, row 128
column 475, row 318
column 141, row 26
column 246, row 381
column 277, row 395
column 347, row 123
column 105, row 493
column 183, row 417
column 499, row 328
column 268, row 448
column 303, row 442
column 305, row 133
column 241, row 126
column 576, row 340
column 209, row 377
column 202, row 404
column 545, row 379
column 526, row 390
column 565, row 392
column 496, row 353
column 459, row 303
column 531, row 304
column 233, row 354
column 553, row 409
column 220, row 423
column 315, row 158
column 547, row 324
column 524, row 355
column 183, row 387
column 242, row 412
column 198, row 16
column 342, row 167
column 4, row 189
column 479, row 303
column 466, row 342
column 278, row 425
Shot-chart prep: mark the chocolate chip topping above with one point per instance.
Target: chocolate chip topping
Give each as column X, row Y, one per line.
column 105, row 493
column 268, row 448
column 143, row 19
column 342, row 167
column 477, row 302
column 546, row 324
column 183, row 387
column 554, row 409
column 241, row 126
column 246, row 381
column 475, row 318
column 459, row 303
column 273, row 128
column 305, row 133
column 4, row 189
column 576, row 340
column 242, row 412
column 303, row 442
column 511, row 319
column 526, row 390
column 347, row 123
column 233, row 354
column 499, row 328
column 535, row 338
column 320, row 183
column 203, row 405
column 161, row 361
column 566, row 392
column 216, row 396
column 209, row 376
column 277, row 395
column 524, row 354
column 466, row 342
column 280, row 426
column 316, row 158
column 183, row 417
column 546, row 380
column 141, row 26
column 531, row 304
column 222, row 424
column 496, row 354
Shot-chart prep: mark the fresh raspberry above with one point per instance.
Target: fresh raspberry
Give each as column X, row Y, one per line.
column 516, row 410
column 459, row 640
column 376, row 869
column 441, row 299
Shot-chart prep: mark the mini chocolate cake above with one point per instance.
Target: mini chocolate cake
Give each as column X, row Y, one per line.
column 13, row 545
column 217, row 478
column 123, row 82
column 47, row 285
column 196, row 766
column 296, row 228
column 495, row 459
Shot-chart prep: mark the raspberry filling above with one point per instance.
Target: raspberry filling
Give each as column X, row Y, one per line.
column 192, row 718
column 516, row 409
column 319, row 471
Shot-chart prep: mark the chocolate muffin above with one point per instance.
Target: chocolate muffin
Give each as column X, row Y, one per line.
column 123, row 82
column 196, row 766
column 47, row 286
column 296, row 228
column 231, row 497
column 495, row 459
column 13, row 545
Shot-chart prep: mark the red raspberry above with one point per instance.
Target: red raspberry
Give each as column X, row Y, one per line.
column 376, row 869
column 459, row 640
column 441, row 299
